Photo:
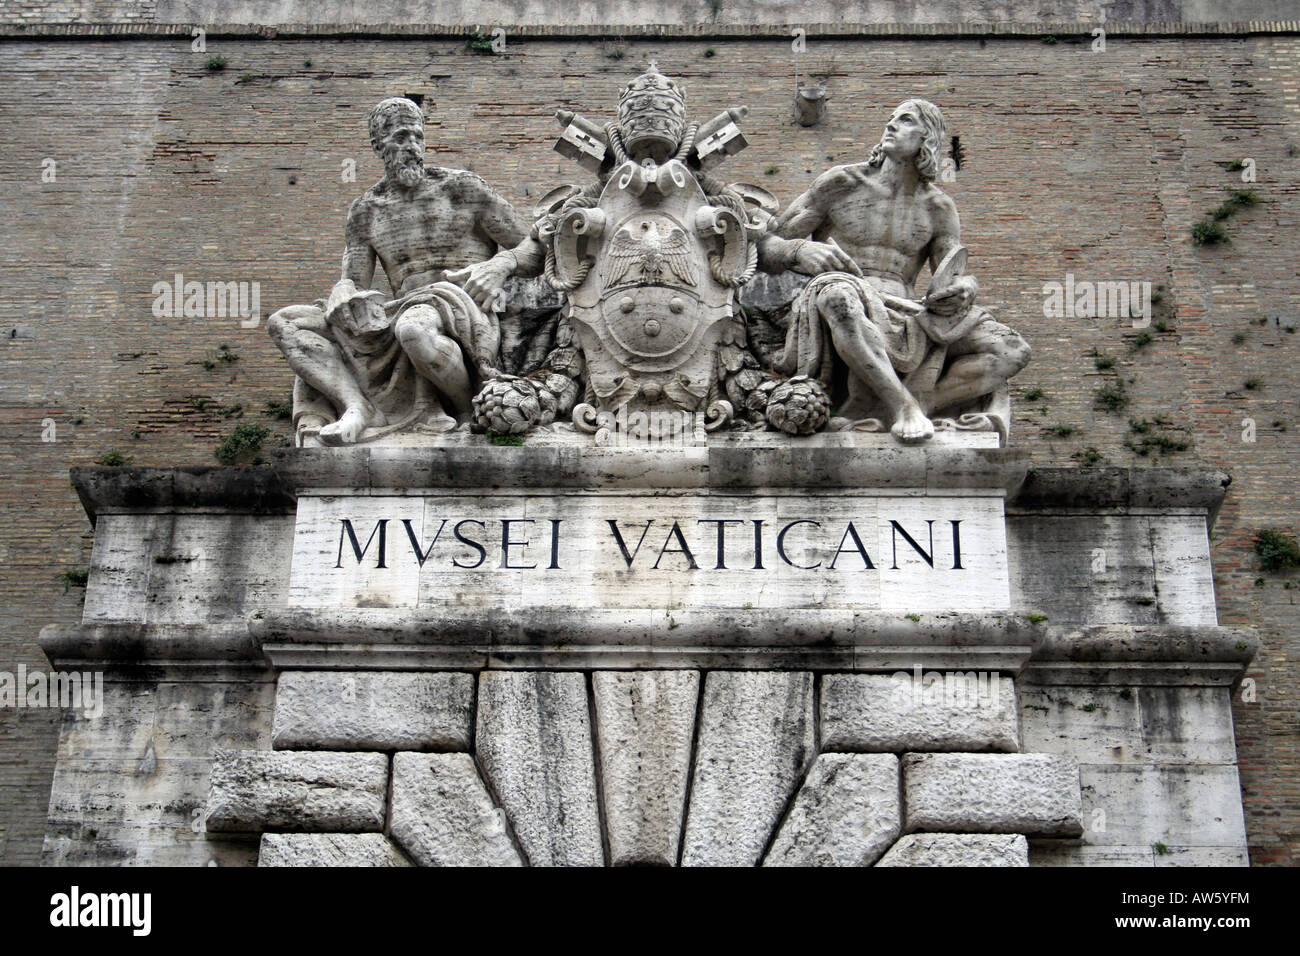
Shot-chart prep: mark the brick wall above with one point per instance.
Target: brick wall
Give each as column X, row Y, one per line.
column 77, row 11
column 1095, row 164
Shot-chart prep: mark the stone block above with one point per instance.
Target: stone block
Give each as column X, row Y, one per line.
column 755, row 740
column 958, row 849
column 329, row 849
column 847, row 813
column 645, row 724
column 442, row 814
column 256, row 790
column 1202, row 856
column 992, row 793
column 1076, row 853
column 943, row 711
column 1142, row 805
column 534, row 744
column 373, row 710
column 1123, row 726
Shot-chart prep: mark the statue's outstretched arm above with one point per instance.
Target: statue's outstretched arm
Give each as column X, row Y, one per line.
column 802, row 217
column 498, row 220
column 485, row 281
column 784, row 247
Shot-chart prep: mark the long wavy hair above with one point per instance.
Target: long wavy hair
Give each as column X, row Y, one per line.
column 927, row 160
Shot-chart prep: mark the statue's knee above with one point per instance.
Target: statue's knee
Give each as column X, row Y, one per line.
column 406, row 330
column 838, row 300
column 277, row 326
column 417, row 324
column 1015, row 355
column 419, row 332
column 284, row 322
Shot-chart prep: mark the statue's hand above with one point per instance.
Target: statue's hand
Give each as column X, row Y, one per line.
column 484, row 281
column 814, row 258
column 954, row 299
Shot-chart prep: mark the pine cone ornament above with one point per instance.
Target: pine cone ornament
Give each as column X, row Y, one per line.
column 799, row 406
column 507, row 406
column 755, row 402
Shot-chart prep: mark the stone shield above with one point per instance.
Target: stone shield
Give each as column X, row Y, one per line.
column 648, row 309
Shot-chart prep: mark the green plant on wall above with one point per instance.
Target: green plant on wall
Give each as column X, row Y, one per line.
column 244, row 442
column 1277, row 550
column 115, row 459
column 1111, row 398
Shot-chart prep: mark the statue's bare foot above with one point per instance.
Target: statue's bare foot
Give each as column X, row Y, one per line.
column 912, row 426
column 435, row 420
column 348, row 428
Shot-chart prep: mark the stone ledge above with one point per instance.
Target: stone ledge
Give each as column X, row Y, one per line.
column 1142, row 654
column 1062, row 490
column 250, row 490
column 816, row 638
column 833, row 460
column 150, row 30
column 861, row 462
column 132, row 644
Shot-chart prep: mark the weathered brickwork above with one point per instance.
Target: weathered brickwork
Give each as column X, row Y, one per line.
column 77, row 11
column 1095, row 164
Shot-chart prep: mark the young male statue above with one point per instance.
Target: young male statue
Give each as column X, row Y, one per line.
column 905, row 358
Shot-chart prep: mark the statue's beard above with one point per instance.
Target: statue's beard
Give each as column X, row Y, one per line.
column 411, row 175
column 407, row 169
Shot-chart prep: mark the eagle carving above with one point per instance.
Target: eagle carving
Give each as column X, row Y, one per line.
column 643, row 245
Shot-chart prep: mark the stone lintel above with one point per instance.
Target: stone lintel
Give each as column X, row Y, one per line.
column 636, row 638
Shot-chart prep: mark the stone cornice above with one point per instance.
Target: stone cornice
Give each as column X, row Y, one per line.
column 1079, row 31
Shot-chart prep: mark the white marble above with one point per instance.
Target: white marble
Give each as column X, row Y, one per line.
column 958, row 561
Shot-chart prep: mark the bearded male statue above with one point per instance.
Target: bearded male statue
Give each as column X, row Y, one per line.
column 368, row 367
column 876, row 346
